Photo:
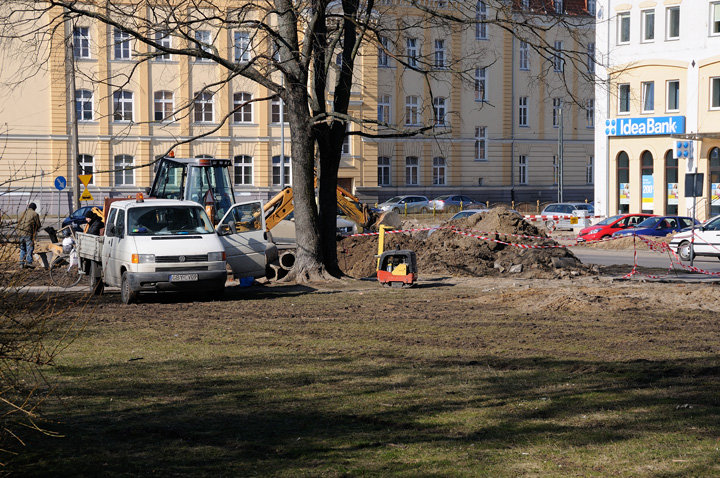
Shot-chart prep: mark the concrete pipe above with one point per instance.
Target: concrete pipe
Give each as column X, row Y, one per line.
column 287, row 260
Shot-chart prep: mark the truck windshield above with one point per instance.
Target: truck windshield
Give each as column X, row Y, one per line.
column 168, row 220
column 214, row 180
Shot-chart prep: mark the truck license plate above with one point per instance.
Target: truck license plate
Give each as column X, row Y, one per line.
column 183, row 277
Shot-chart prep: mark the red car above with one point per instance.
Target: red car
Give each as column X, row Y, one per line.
column 607, row 227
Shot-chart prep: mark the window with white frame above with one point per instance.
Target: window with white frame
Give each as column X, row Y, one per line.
column 242, row 46
column 648, row 96
column 623, row 27
column 559, row 6
column 590, row 113
column 84, row 105
column 715, row 93
column 86, row 165
column 383, row 49
column 163, row 103
column 439, row 111
column 243, row 170
column 673, row 95
column 275, row 111
column 439, row 166
column 556, row 113
column 121, row 44
column 624, row 98
column 163, row 39
column 81, row 42
column 672, row 25
column 383, row 171
column 715, row 18
column 412, row 116
column 345, row 149
column 412, row 170
column 439, row 53
column 480, row 143
column 243, row 111
column 124, row 174
column 480, row 19
column 203, row 37
column 524, row 56
column 203, row 107
column 522, row 169
column 523, row 111
column 286, row 170
column 648, row 25
column 591, row 6
column 480, row 84
column 556, row 170
column 558, row 60
column 589, row 171
column 591, row 57
column 384, row 109
column 122, row 106
column 412, row 51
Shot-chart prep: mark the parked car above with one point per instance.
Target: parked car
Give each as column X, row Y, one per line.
column 468, row 213
column 706, row 243
column 453, row 203
column 565, row 211
column 607, row 227
column 411, row 204
column 657, row 226
column 77, row 218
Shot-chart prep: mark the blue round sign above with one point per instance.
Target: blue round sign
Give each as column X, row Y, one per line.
column 60, row 183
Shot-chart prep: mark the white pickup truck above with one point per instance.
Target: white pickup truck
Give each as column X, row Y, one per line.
column 160, row 244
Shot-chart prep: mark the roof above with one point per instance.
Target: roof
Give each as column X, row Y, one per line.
column 153, row 202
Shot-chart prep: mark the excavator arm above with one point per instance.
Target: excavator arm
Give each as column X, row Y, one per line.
column 278, row 208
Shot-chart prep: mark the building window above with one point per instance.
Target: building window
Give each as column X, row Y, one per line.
column 715, row 93
column 276, row 171
column 589, row 170
column 648, row 96
column 242, row 47
column 671, row 183
column 480, row 19
column 558, row 60
column 672, row 15
column 205, row 42
column 623, row 178
column 624, row 98
column 84, row 105
column 383, row 56
column 524, row 55
column 480, row 84
column 383, row 171
column 591, row 57
column 242, row 107
column 480, row 144
column 163, row 101
column 715, row 18
column 714, row 181
column 525, row 4
column 81, row 42
column 411, row 111
column 345, row 149
column 646, row 171
column 243, row 170
column 559, row 7
column 591, row 7
column 439, row 53
column 85, row 163
column 121, row 44
column 673, row 95
column 439, row 171
column 275, row 111
column 203, row 107
column 623, row 25
column 439, row 111
column 163, row 39
column 648, row 25
column 412, row 52
column 522, row 169
column 412, row 166
column 590, row 113
column 122, row 106
column 556, row 113
column 124, row 177
column 384, row 109
column 523, row 111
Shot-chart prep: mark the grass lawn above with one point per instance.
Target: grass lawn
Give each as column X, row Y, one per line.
column 484, row 377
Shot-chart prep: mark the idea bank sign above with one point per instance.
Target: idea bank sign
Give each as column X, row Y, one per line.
column 645, row 126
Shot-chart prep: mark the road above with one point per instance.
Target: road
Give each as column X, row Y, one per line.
column 608, row 257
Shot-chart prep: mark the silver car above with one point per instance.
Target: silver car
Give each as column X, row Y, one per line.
column 409, row 204
column 564, row 212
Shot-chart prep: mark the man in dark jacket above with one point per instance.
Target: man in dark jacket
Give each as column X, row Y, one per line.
column 27, row 228
column 95, row 222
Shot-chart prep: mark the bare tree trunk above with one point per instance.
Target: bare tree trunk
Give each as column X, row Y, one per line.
column 327, row 187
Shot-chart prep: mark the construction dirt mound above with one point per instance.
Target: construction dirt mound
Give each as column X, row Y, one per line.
column 443, row 251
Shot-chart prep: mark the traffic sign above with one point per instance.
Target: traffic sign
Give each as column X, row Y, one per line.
column 85, row 179
column 86, row 196
column 60, row 183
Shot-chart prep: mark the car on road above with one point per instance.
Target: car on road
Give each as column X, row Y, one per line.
column 657, row 226
column 409, row 204
column 77, row 218
column 607, row 227
column 565, row 211
column 453, row 203
column 706, row 243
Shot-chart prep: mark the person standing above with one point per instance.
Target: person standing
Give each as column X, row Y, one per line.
column 27, row 227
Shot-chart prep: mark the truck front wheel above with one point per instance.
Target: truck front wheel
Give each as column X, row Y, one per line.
column 127, row 295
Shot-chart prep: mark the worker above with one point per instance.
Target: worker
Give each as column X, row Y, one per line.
column 94, row 223
column 27, row 228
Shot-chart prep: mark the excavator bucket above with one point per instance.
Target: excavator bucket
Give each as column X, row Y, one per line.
column 389, row 218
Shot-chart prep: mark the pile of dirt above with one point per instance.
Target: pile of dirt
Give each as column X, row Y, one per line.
column 444, row 251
